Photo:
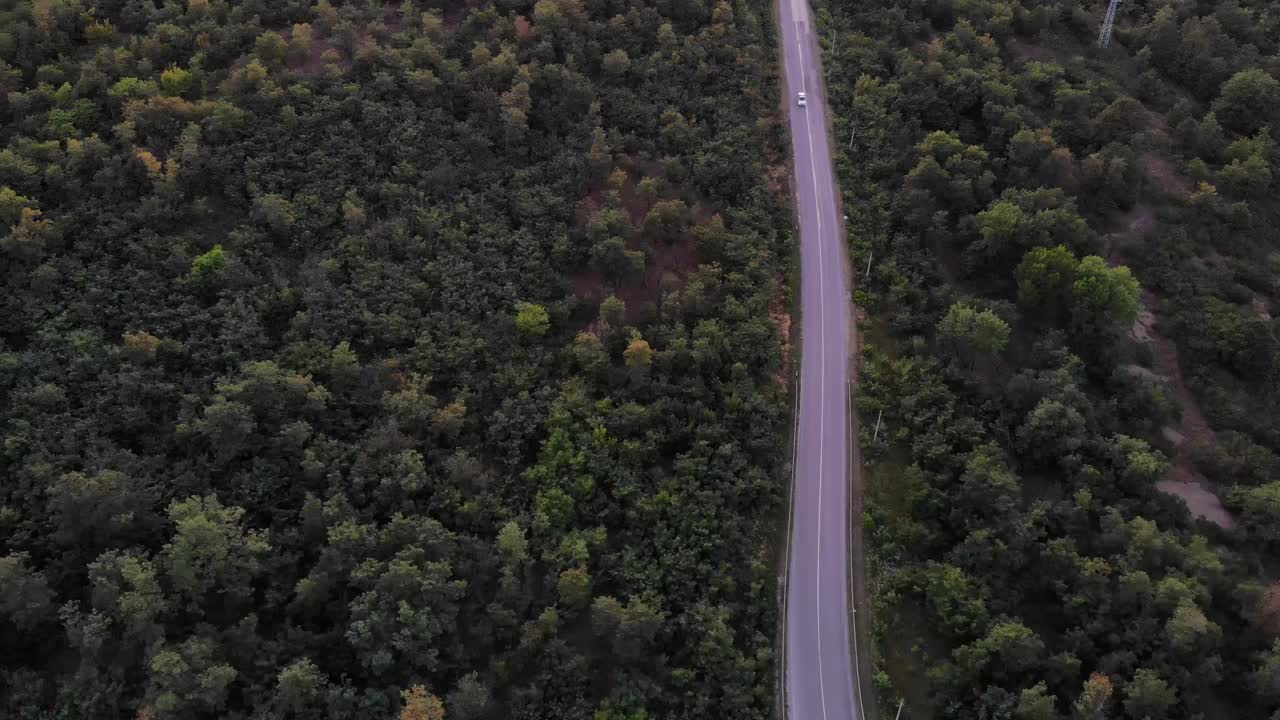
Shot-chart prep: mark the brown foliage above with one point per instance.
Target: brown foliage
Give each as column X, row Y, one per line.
column 421, row 705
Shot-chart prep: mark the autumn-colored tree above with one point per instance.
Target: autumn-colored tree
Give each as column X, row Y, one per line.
column 1094, row 698
column 421, row 705
column 638, row 355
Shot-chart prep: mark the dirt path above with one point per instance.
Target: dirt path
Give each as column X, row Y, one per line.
column 1193, row 431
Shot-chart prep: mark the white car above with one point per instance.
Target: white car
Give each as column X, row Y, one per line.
column 800, row 100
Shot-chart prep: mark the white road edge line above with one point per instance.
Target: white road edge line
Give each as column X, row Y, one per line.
column 848, row 405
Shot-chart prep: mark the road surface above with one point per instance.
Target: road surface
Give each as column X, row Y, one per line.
column 819, row 680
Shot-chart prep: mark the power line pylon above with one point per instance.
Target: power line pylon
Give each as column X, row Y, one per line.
column 1108, row 24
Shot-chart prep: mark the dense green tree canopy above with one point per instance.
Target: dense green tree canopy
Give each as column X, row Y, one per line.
column 1067, row 262
column 362, row 358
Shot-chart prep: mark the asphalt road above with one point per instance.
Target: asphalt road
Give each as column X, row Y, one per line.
column 819, row 680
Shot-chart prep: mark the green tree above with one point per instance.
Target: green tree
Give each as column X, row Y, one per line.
column 175, row 82
column 633, row 627
column 589, row 352
column 190, row 678
column 212, row 559
column 1122, row 119
column 1250, row 178
column 1189, row 630
column 612, row 311
column 989, row 492
column 101, row 31
column 130, row 88
column 1001, row 227
column 612, row 257
column 1265, row 678
column 91, row 510
column 271, row 49
column 1051, row 430
column 1248, row 101
column 1045, row 279
column 1035, row 703
column 511, row 543
column 616, row 62
column 274, row 211
column 956, row 599
column 1148, row 697
column 26, row 600
column 470, row 700
column 1258, row 510
column 667, row 220
column 1103, row 298
column 574, row 588
column 973, row 333
column 407, row 601
column 300, row 41
column 11, row 206
column 228, row 425
column 1009, row 650
column 532, row 319
column 210, row 265
column 298, row 685
column 126, row 588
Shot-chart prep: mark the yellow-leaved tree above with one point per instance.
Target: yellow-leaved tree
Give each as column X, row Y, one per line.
column 421, row 705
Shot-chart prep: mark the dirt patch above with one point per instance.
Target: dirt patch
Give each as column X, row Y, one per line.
column 588, row 284
column 1145, row 373
column 1171, row 436
column 393, row 19
column 1200, row 501
column 1144, row 327
column 1193, row 431
column 861, row 322
column 1127, row 229
column 587, row 207
column 455, row 14
column 322, row 51
column 1140, row 221
column 667, row 269
column 777, row 176
column 667, row 264
column 1026, row 52
column 1194, row 428
column 778, row 313
column 1162, row 172
column 633, row 204
column 1158, row 122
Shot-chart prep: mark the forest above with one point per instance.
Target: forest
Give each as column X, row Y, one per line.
column 1067, row 264
column 420, row 359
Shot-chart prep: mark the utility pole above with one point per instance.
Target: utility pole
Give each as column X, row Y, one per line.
column 1108, row 24
column 826, row 70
